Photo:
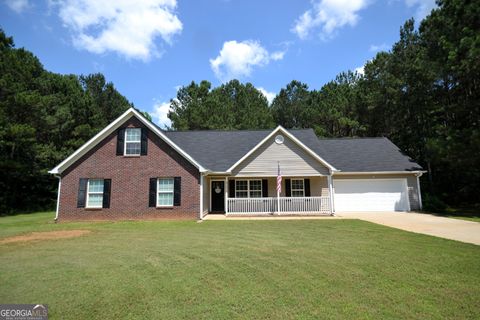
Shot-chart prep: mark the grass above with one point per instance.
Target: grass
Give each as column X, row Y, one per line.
column 333, row 269
column 469, row 214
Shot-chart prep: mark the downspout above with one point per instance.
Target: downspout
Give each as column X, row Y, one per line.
column 58, row 197
column 201, row 196
column 419, row 191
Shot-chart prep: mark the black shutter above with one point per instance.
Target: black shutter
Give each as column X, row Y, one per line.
column 144, row 142
column 82, row 193
column 120, row 141
column 307, row 187
column 231, row 188
column 152, row 194
column 288, row 190
column 265, row 188
column 107, row 183
column 177, row 190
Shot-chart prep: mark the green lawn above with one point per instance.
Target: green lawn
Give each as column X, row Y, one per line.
column 475, row 219
column 470, row 214
column 304, row 269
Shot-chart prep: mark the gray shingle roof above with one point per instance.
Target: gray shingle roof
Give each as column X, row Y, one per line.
column 365, row 155
column 219, row 150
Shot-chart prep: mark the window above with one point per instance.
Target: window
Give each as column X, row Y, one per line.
column 255, row 188
column 165, row 192
column 241, row 188
column 95, row 193
column 279, row 139
column 298, row 188
column 248, row 188
column 133, row 141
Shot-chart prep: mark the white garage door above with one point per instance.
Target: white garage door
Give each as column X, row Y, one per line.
column 371, row 195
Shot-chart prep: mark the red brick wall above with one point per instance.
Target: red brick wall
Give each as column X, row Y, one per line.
column 130, row 181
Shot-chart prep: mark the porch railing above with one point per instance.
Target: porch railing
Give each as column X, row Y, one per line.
column 288, row 205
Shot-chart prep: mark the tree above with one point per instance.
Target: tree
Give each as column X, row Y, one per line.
column 44, row 117
column 291, row 108
column 230, row 106
column 451, row 38
column 335, row 107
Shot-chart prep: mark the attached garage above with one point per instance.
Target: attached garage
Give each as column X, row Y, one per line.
column 371, row 195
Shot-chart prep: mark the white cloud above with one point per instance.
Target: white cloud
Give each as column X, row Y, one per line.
column 160, row 113
column 237, row 59
column 128, row 27
column 269, row 95
column 18, row 5
column 328, row 16
column 277, row 55
column 360, row 70
column 379, row 47
column 424, row 7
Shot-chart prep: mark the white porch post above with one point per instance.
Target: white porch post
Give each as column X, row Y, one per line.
column 330, row 192
column 226, row 194
column 201, row 195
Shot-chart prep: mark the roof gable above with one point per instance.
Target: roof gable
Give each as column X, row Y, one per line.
column 291, row 157
column 114, row 125
column 288, row 135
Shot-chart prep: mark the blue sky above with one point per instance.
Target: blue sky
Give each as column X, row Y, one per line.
column 148, row 48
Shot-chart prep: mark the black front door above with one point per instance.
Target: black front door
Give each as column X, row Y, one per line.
column 218, row 196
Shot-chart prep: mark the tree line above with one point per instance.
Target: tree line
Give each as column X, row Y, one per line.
column 423, row 94
column 44, row 117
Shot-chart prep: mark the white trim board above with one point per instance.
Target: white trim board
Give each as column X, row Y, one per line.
column 111, row 128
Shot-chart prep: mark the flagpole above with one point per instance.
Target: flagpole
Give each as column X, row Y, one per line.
column 278, row 190
column 278, row 203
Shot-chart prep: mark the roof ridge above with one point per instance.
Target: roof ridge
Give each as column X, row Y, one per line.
column 239, row 130
column 353, row 138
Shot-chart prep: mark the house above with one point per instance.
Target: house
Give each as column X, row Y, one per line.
column 134, row 170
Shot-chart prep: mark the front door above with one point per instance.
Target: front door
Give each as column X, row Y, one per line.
column 218, row 196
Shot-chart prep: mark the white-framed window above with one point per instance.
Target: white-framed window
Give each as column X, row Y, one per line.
column 255, row 188
column 165, row 192
column 248, row 188
column 133, row 142
column 297, row 187
column 241, row 188
column 95, row 193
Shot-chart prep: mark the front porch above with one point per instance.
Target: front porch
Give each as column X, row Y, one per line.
column 257, row 196
column 278, row 206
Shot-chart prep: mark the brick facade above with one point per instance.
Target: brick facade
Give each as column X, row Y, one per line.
column 130, row 181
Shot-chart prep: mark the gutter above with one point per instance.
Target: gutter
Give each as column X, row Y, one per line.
column 378, row 172
column 58, row 197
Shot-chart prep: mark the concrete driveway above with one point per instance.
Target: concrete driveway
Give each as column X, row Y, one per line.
column 454, row 229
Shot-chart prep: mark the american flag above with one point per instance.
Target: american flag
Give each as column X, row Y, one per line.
column 279, row 180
